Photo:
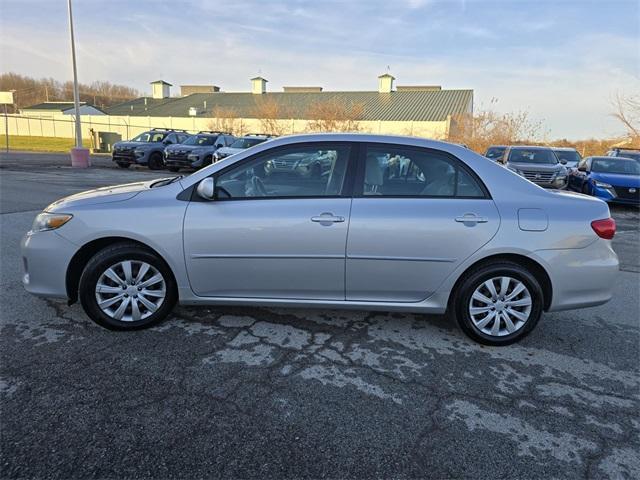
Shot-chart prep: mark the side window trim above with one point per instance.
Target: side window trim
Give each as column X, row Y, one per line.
column 358, row 188
column 348, row 182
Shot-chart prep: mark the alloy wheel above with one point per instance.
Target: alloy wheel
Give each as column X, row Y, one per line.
column 130, row 290
column 500, row 306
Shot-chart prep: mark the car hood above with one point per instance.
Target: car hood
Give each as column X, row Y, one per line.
column 130, row 145
column 115, row 193
column 536, row 167
column 616, row 179
column 182, row 148
column 229, row 150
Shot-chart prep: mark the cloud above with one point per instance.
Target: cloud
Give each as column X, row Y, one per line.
column 564, row 72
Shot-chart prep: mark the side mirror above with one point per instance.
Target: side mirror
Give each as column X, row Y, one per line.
column 218, row 145
column 167, row 142
column 563, row 161
column 582, row 168
column 207, row 189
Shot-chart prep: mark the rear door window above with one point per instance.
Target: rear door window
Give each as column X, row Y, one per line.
column 396, row 171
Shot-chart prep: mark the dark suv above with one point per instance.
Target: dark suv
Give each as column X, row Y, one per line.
column 495, row 152
column 632, row 153
column 147, row 148
column 197, row 151
column 539, row 165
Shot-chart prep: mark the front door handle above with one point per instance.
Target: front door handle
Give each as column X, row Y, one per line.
column 471, row 218
column 327, row 218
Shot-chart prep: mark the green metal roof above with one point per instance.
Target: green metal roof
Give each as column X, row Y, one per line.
column 427, row 105
column 59, row 106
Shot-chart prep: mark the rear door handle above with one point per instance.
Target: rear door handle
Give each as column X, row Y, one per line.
column 327, row 218
column 471, row 218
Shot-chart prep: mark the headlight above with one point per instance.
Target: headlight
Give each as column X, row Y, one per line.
column 138, row 153
column 601, row 184
column 50, row 221
column 193, row 156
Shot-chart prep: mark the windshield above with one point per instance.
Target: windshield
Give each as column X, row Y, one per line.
column 632, row 155
column 570, row 156
column 615, row 165
column 150, row 137
column 200, row 140
column 246, row 142
column 523, row 155
column 495, row 152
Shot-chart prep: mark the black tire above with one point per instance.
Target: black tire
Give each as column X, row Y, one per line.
column 472, row 280
column 122, row 164
column 208, row 160
column 109, row 256
column 155, row 161
column 173, row 169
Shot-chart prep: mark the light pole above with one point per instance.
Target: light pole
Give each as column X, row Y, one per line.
column 79, row 155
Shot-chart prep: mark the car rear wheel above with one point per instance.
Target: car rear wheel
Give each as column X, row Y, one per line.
column 155, row 161
column 499, row 303
column 122, row 164
column 126, row 287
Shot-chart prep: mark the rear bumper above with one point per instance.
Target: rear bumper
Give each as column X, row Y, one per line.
column 45, row 259
column 581, row 277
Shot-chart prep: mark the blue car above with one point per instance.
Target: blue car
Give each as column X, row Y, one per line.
column 612, row 179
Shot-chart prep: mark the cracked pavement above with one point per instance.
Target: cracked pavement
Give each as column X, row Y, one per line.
column 283, row 393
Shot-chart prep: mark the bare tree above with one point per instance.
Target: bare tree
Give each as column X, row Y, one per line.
column 488, row 127
column 627, row 111
column 224, row 120
column 334, row 116
column 271, row 115
column 29, row 91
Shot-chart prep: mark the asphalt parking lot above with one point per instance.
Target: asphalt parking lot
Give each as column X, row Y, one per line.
column 257, row 393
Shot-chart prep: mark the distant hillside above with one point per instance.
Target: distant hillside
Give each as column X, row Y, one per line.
column 30, row 91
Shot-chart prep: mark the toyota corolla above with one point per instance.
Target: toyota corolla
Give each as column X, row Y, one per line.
column 449, row 231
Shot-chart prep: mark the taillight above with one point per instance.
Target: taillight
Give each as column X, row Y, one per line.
column 605, row 228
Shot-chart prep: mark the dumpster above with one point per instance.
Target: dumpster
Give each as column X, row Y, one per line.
column 105, row 141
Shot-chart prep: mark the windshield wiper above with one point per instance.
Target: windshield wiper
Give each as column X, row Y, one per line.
column 166, row 181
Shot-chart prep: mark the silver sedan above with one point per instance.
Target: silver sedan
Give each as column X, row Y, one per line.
column 450, row 231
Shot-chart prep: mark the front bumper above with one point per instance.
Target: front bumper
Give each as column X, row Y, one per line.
column 182, row 161
column 45, row 259
column 617, row 195
column 130, row 158
column 580, row 277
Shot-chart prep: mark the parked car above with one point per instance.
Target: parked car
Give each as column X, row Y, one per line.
column 240, row 144
column 632, row 153
column 147, row 148
column 303, row 165
column 613, row 179
column 197, row 151
column 537, row 164
column 570, row 156
column 495, row 152
column 456, row 233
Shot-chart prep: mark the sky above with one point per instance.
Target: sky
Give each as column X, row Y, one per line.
column 562, row 61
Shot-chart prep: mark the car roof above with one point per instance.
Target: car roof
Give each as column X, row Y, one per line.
column 565, row 149
column 497, row 146
column 608, row 157
column 529, row 147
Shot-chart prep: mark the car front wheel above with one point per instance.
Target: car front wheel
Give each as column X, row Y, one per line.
column 155, row 161
column 127, row 287
column 499, row 303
